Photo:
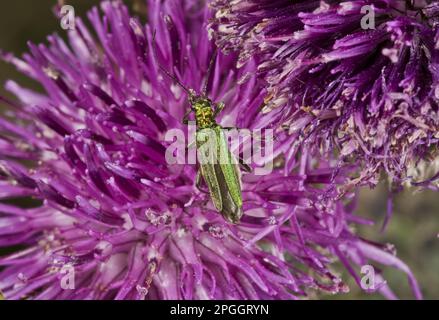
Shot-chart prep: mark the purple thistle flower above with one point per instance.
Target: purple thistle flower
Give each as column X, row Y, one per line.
column 91, row 151
column 370, row 94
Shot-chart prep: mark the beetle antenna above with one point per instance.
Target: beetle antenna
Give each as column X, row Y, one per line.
column 163, row 69
column 209, row 71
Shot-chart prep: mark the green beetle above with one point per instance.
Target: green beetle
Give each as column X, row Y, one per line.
column 221, row 177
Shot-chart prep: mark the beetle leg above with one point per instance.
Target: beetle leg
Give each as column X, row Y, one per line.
column 191, row 144
column 186, row 117
column 198, row 182
column 218, row 108
column 244, row 166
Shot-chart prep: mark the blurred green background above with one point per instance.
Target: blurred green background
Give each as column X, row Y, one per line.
column 413, row 230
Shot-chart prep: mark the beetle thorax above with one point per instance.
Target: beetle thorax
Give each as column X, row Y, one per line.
column 203, row 114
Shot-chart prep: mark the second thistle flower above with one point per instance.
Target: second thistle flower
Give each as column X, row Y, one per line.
column 370, row 94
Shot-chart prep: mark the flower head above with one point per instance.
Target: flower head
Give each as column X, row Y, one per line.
column 91, row 151
column 358, row 77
